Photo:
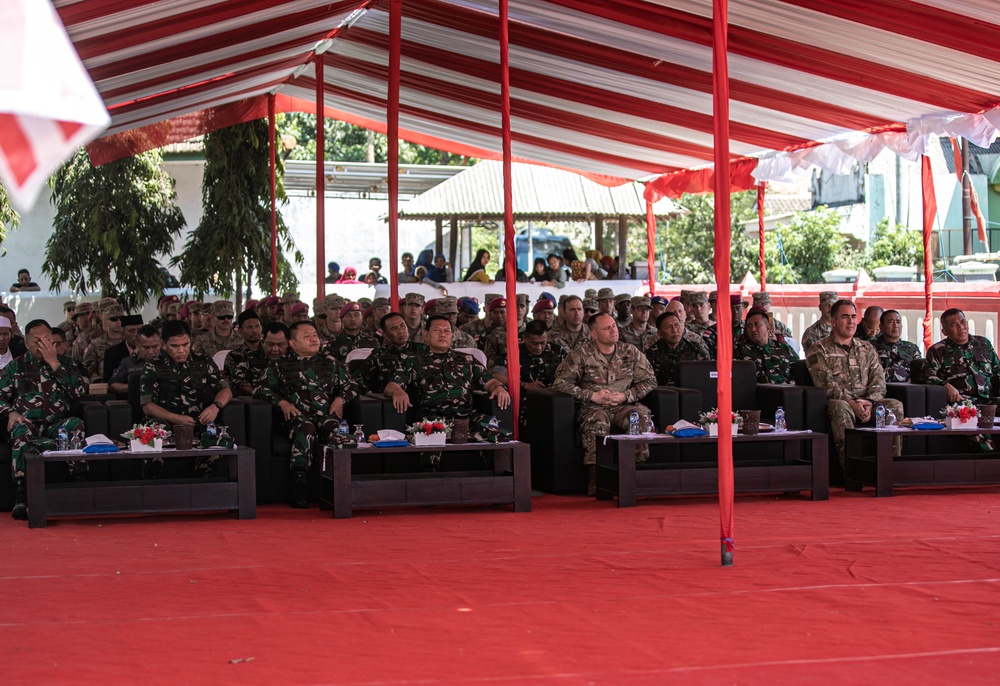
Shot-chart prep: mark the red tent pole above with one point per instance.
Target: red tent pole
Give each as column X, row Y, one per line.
column 320, row 180
column 723, row 313
column 392, row 135
column 760, row 234
column 271, row 126
column 651, row 246
column 930, row 213
column 510, row 257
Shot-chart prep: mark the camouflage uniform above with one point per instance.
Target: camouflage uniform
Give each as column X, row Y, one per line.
column 819, row 329
column 132, row 363
column 440, row 385
column 417, row 334
column 779, row 328
column 849, row 372
column 245, row 367
column 82, row 341
column 30, row 387
column 711, row 336
column 895, row 357
column 181, row 389
column 540, row 368
column 477, row 328
column 773, row 361
column 383, row 364
column 586, row 370
column 663, row 359
column 208, row 343
column 460, row 339
column 495, row 347
column 311, row 385
column 93, row 359
column 560, row 335
column 973, row 368
column 69, row 329
column 697, row 328
column 342, row 344
column 640, row 340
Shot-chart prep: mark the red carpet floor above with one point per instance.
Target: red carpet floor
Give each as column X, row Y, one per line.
column 858, row 590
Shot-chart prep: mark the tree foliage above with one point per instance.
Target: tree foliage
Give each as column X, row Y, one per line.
column 111, row 225
column 810, row 244
column 894, row 245
column 233, row 238
column 9, row 218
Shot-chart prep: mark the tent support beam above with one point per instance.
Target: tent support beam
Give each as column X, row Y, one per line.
column 599, row 233
column 320, row 179
column 622, row 245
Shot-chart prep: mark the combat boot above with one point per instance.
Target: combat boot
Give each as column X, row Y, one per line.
column 591, row 479
column 300, row 490
column 20, row 510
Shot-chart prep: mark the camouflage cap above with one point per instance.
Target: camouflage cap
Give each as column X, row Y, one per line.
column 590, row 304
column 105, row 303
column 222, row 308
column 333, row 304
column 590, row 294
column 319, row 307
column 318, row 300
column 69, row 305
column 828, row 296
column 381, row 302
column 522, row 299
column 762, row 298
column 447, row 305
column 414, row 299
column 694, row 298
column 289, row 297
column 641, row 301
column 83, row 308
column 686, row 295
column 365, row 301
column 605, row 294
column 490, row 297
column 115, row 310
column 712, row 296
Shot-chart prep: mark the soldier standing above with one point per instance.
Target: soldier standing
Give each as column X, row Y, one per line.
column 894, row 354
column 639, row 332
column 672, row 346
column 773, row 358
column 310, row 388
column 93, row 359
column 83, row 325
column 36, row 393
column 67, row 326
column 351, row 337
column 221, row 335
column 822, row 327
column 245, row 370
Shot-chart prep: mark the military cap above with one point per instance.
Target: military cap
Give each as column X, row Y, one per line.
column 831, row 296
column 447, row 305
column 736, row 299
column 289, row 297
column 430, row 306
column 590, row 304
column 686, row 296
column 351, row 307
column 622, row 297
column 114, row 310
column 69, row 305
column 543, row 304
column 83, row 308
column 222, row 308
column 490, row 297
column 270, row 300
column 641, row 301
column 755, row 310
column 605, row 294
column 318, row 299
column 105, row 303
column 712, row 296
column 657, row 300
column 299, row 308
column 694, row 298
column 522, row 299
column 365, row 301
column 381, row 302
column 334, row 303
column 549, row 296
column 469, row 305
column 319, row 307
column 132, row 320
column 168, row 299
column 174, row 308
column 496, row 303
column 590, row 294
column 414, row 299
column 762, row 298
column 369, row 311
column 250, row 305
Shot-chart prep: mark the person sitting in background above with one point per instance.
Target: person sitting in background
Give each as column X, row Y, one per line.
column 639, row 331
column 406, row 275
column 350, row 276
column 93, row 358
column 559, row 274
column 594, row 260
column 333, row 273
column 610, row 266
column 544, row 311
column 440, row 271
column 773, row 358
column 147, row 347
column 573, row 332
column 59, row 340
column 821, row 328
column 868, row 327
column 113, row 356
column 578, row 269
column 894, row 355
column 540, row 273
column 420, row 276
column 477, row 270
column 246, row 370
column 24, row 282
column 375, row 267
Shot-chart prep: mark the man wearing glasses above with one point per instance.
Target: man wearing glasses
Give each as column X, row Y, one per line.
column 67, row 326
column 93, row 358
column 221, row 336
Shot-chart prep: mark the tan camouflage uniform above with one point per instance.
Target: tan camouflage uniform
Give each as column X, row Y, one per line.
column 568, row 339
column 815, row 332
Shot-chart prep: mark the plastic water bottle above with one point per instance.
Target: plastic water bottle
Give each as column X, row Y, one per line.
column 344, row 429
column 779, row 420
column 62, row 439
column 880, row 416
column 890, row 418
column 633, row 423
column 212, row 430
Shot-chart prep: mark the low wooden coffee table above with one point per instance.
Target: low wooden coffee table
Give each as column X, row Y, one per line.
column 508, row 482
column 884, row 471
column 805, row 467
column 146, row 496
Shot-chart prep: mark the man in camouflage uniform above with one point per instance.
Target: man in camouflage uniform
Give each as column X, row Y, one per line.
column 639, row 332
column 319, row 319
column 246, row 370
column 351, row 337
column 266, row 308
column 84, row 326
column 967, row 366
column 380, row 308
column 161, row 311
column 544, row 311
column 221, row 336
column 773, row 358
column 412, row 310
column 67, row 325
column 441, row 381
column 539, row 360
column 623, row 310
column 37, row 391
column 572, row 332
column 381, row 367
column 251, row 332
column 287, row 300
column 711, row 334
column 869, row 326
column 677, row 307
column 310, row 388
column 822, row 327
column 894, row 354
column 850, row 372
column 779, row 330
column 173, row 389
column 93, row 358
column 606, row 301
column 468, row 313
column 674, row 344
column 696, row 307
column 479, row 328
column 331, row 326
column 447, row 307
column 196, row 319
column 608, row 379
column 495, row 347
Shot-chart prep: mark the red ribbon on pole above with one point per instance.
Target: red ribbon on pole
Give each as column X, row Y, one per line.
column 956, row 153
column 392, row 136
column 760, row 235
column 271, row 127
column 320, row 180
column 723, row 313
column 930, row 213
column 651, row 246
column 510, row 253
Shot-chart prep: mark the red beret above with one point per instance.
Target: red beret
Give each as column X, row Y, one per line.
column 350, row 307
column 543, row 304
column 495, row 303
column 299, row 308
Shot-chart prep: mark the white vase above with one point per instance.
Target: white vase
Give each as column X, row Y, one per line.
column 956, row 423
column 436, row 438
column 137, row 447
column 713, row 429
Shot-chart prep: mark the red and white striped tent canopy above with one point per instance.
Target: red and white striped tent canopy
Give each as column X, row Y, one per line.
column 619, row 89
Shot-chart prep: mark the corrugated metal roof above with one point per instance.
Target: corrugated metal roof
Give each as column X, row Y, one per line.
column 539, row 192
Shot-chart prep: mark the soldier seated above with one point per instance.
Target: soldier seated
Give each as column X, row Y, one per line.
column 351, row 336
column 965, row 365
column 572, row 332
column 386, row 360
column 894, row 354
column 147, row 348
column 539, row 358
column 673, row 346
column 245, row 370
column 219, row 334
column 773, row 358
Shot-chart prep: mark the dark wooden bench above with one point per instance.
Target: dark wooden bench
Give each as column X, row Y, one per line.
column 236, row 493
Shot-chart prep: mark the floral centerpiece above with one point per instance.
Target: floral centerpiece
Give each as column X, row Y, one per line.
column 963, row 415
column 146, row 437
column 710, row 422
column 430, row 432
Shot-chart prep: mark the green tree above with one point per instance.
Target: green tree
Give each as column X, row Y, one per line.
column 9, row 218
column 810, row 244
column 111, row 224
column 894, row 245
column 233, row 240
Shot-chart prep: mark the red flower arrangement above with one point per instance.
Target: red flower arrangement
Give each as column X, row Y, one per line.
column 964, row 411
column 428, row 427
column 145, row 434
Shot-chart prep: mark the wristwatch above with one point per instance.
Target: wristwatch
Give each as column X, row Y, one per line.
column 218, row 405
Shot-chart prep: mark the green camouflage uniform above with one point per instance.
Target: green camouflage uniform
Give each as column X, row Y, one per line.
column 541, row 368
column 849, row 372
column 181, row 389
column 82, row 341
column 569, row 340
column 244, row 366
column 93, row 359
column 779, row 328
column 495, row 347
column 383, row 364
column 819, row 329
column 30, row 387
column 344, row 343
column 711, row 336
column 587, row 370
column 477, row 328
column 696, row 328
column 662, row 358
column 973, row 368
column 895, row 357
column 440, row 386
column 417, row 334
column 208, row 343
column 311, row 385
column 640, row 340
column 774, row 360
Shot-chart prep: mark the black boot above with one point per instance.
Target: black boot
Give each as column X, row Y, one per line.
column 591, row 479
column 20, row 510
column 300, row 490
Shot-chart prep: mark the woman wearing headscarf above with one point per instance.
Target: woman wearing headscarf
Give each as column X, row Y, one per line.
column 477, row 270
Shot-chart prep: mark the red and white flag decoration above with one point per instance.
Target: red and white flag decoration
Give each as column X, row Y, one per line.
column 48, row 105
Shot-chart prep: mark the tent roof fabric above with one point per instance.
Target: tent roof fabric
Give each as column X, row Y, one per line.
column 617, row 89
column 539, row 192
